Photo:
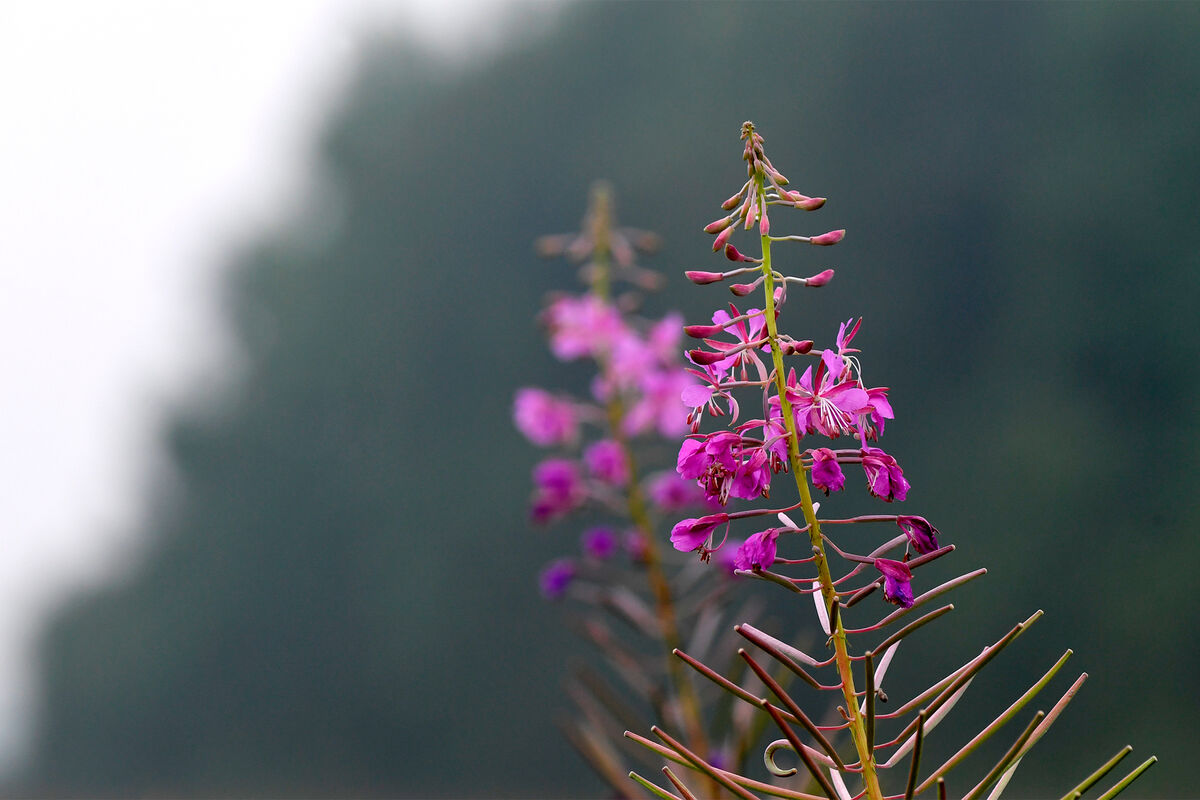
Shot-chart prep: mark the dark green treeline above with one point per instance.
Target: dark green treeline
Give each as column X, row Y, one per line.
column 337, row 595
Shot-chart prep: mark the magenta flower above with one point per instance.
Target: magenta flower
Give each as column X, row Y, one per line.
column 544, row 419
column 556, row 577
column 659, row 406
column 607, row 463
column 744, row 332
column 582, row 326
column 831, row 407
column 920, row 533
column 826, row 472
column 693, row 534
column 878, row 409
column 599, row 543
column 897, row 581
column 885, row 479
column 725, row 465
column 558, row 489
column 669, row 492
column 758, row 550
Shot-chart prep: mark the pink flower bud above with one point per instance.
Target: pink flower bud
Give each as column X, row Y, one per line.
column 803, row 346
column 702, row 278
column 806, row 203
column 716, row 226
column 702, row 331
column 820, row 279
column 778, row 176
column 722, row 238
column 733, row 254
column 764, row 227
column 733, row 201
column 742, row 289
column 703, row 357
column 833, row 237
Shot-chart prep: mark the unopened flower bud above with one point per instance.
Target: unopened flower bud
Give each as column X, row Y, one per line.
column 806, row 203
column 722, row 238
column 702, row 278
column 833, row 237
column 778, row 176
column 729, row 204
column 733, row 254
column 702, row 331
column 820, row 279
column 716, row 226
column 801, row 347
column 742, row 289
column 705, row 357
column 764, row 227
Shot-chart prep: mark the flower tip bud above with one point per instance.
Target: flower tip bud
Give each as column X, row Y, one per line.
column 702, row 278
column 820, row 279
column 808, row 203
column 764, row 226
column 704, row 357
column 803, row 346
column 702, row 331
column 742, row 289
column 718, row 225
column 833, row 237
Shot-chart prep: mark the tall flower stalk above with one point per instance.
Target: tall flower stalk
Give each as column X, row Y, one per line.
column 599, row 470
column 802, row 421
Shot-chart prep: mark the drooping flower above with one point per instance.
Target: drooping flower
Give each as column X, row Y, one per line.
column 607, row 463
column 920, row 533
column 897, row 581
column 556, row 577
column 725, row 464
column 693, row 534
column 885, row 479
column 544, row 419
column 599, row 543
column 826, row 472
column 758, row 550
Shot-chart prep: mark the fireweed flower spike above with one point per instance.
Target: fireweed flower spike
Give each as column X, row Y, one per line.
column 619, row 567
column 812, row 426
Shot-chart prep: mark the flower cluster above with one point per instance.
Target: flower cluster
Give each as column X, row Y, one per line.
column 636, row 391
column 803, row 418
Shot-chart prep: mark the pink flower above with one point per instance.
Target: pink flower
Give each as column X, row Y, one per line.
column 885, row 479
column 670, row 492
column 659, row 406
column 922, row 535
column 607, row 463
column 758, row 550
column 693, row 534
column 556, row 577
column 558, row 489
column 897, row 581
column 744, row 332
column 599, row 543
column 725, row 464
column 582, row 326
column 544, row 419
column 826, row 472
column 827, row 402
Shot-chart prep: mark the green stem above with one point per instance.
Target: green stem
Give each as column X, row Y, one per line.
column 828, row 593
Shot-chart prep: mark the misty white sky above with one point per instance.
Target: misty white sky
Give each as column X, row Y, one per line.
column 139, row 139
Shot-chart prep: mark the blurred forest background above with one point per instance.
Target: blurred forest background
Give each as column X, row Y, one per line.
column 338, row 590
